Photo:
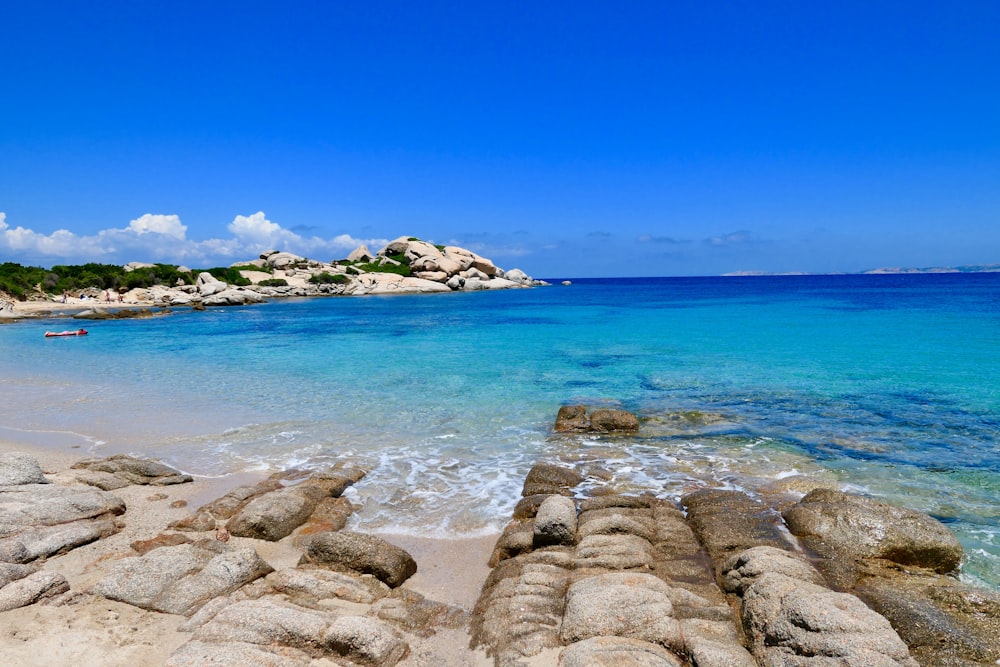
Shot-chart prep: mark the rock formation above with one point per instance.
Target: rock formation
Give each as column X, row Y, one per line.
column 404, row 266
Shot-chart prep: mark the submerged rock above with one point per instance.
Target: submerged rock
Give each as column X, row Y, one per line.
column 574, row 419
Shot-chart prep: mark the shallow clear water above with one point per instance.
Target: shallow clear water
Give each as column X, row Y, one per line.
column 884, row 384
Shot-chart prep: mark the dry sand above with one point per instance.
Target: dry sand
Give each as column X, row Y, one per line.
column 94, row 631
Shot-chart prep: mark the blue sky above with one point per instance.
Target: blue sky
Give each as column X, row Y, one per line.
column 565, row 138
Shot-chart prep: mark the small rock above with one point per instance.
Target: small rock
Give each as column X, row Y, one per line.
column 555, row 522
column 19, row 468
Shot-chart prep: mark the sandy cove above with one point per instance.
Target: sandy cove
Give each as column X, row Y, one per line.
column 95, row 631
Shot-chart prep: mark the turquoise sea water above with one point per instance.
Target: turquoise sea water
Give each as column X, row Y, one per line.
column 883, row 384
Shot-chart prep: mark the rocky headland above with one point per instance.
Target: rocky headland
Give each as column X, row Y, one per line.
column 404, row 266
column 268, row 573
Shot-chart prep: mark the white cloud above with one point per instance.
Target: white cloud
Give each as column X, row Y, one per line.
column 163, row 238
column 168, row 225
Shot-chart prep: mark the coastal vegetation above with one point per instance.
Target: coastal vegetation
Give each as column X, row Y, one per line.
column 21, row 281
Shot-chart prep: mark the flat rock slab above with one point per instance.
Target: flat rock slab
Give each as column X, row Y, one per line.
column 39, row 520
column 256, row 630
column 728, row 522
column 133, row 470
column 180, row 579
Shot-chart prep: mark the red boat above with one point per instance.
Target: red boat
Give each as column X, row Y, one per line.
column 54, row 334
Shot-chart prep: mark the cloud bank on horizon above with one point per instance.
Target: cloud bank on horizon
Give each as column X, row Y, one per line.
column 163, row 238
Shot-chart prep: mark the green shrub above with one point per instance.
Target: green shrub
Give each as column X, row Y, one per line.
column 372, row 267
column 253, row 267
column 326, row 278
column 273, row 282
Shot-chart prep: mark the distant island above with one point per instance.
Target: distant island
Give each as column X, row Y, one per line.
column 885, row 270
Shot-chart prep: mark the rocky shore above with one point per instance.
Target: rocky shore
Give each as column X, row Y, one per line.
column 428, row 269
column 122, row 554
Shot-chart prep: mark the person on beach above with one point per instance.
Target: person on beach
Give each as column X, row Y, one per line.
column 107, row 296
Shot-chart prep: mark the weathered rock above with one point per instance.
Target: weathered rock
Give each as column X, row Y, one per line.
column 714, row 644
column 572, row 418
column 232, row 297
column 859, row 527
column 390, row 283
column 555, row 522
column 518, row 537
column 728, row 522
column 360, row 254
column 276, row 627
column 180, row 579
column 549, row 478
column 32, row 588
column 786, row 619
column 621, row 604
column 39, row 520
column 18, row 468
column 527, row 507
column 741, row 570
column 275, row 515
column 197, row 653
column 142, row 547
column 134, row 470
column 617, row 652
column 13, row 571
column 415, row 613
column 518, row 276
column 943, row 621
column 519, row 611
column 330, row 514
column 221, row 509
column 102, row 480
column 366, row 554
column 312, row 586
column 618, row 521
column 365, row 641
column 614, row 552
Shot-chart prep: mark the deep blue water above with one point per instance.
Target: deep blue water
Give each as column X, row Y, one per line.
column 882, row 384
